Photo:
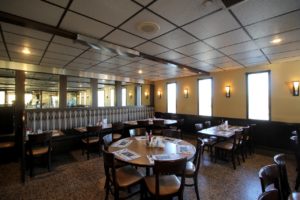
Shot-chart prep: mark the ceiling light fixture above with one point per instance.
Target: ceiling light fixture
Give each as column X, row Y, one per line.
column 26, row 51
column 276, row 40
column 149, row 28
column 140, row 71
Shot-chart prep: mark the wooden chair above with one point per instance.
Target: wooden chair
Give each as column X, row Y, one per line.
column 192, row 168
column 137, row 132
column 39, row 145
column 119, row 178
column 269, row 178
column 269, row 195
column 107, row 140
column 295, row 139
column 245, row 143
column 209, row 142
column 117, row 130
column 230, row 146
column 165, row 183
column 285, row 189
column 91, row 137
column 158, row 126
column 250, row 141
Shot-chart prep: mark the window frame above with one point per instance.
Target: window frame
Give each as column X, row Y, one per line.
column 211, row 99
column 174, row 82
column 269, row 96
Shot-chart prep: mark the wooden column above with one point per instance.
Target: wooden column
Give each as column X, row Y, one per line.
column 151, row 95
column 62, row 91
column 19, row 119
column 94, row 92
column 118, row 92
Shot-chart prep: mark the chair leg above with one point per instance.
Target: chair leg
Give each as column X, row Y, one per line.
column 297, row 180
column 31, row 166
column 49, row 161
column 233, row 160
column 88, row 151
column 196, row 187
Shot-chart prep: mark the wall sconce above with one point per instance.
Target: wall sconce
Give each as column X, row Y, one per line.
column 227, row 91
column 295, row 88
column 146, row 95
column 159, row 94
column 186, row 93
column 130, row 95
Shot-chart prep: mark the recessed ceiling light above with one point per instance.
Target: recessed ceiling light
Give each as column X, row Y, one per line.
column 276, row 40
column 140, row 71
column 26, row 51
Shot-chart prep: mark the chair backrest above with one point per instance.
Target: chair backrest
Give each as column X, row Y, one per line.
column 207, row 124
column 159, row 123
column 109, row 166
column 40, row 140
column 180, row 123
column 246, row 133
column 269, row 195
column 171, row 133
column 285, row 189
column 117, row 127
column 137, row 132
column 237, row 138
column 169, row 167
column 198, row 126
column 269, row 175
column 197, row 158
column 144, row 123
column 107, row 140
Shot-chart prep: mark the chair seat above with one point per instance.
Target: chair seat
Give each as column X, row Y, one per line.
column 116, row 136
column 6, row 145
column 169, row 184
column 189, row 169
column 36, row 151
column 224, row 145
column 209, row 141
column 94, row 139
column 127, row 176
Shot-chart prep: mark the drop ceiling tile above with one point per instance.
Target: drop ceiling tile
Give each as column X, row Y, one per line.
column 175, row 39
column 53, row 62
column 146, row 16
column 276, row 25
column 83, row 25
column 33, row 9
column 201, row 65
column 58, row 56
column 247, row 55
column 62, row 3
column 69, row 42
column 289, row 54
column 185, row 60
column 12, row 38
column 252, row 11
column 254, row 61
column 104, row 52
column 106, row 65
column 124, row 39
column 94, row 56
column 282, row 48
column 212, row 25
column 219, row 60
column 230, row 38
column 2, row 47
column 194, row 48
column 19, row 30
column 286, row 37
column 19, row 49
column 151, row 48
column 181, row 12
column 170, row 55
column 144, row 2
column 77, row 66
column 85, row 61
column 3, row 54
column 148, row 62
column 208, row 55
column 111, row 12
column 27, row 61
column 229, row 65
column 57, row 48
column 118, row 61
column 237, row 48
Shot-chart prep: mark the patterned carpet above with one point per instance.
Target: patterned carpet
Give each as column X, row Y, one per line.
column 73, row 177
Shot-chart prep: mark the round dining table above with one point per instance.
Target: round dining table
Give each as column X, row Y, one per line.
column 139, row 146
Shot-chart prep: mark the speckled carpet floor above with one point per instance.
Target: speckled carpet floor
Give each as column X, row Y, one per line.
column 73, row 177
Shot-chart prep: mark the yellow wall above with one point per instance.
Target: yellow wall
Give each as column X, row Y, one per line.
column 284, row 106
column 145, row 100
column 130, row 95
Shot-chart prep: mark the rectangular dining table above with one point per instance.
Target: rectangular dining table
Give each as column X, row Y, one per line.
column 220, row 132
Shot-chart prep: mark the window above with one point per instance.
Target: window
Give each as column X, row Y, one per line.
column 258, row 95
column 205, row 97
column 123, row 96
column 112, row 97
column 171, row 97
column 2, row 97
column 138, row 95
column 100, row 98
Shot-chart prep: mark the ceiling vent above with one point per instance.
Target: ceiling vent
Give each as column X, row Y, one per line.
column 149, row 28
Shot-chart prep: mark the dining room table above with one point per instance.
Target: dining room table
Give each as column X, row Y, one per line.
column 167, row 122
column 138, row 151
column 221, row 131
column 83, row 129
